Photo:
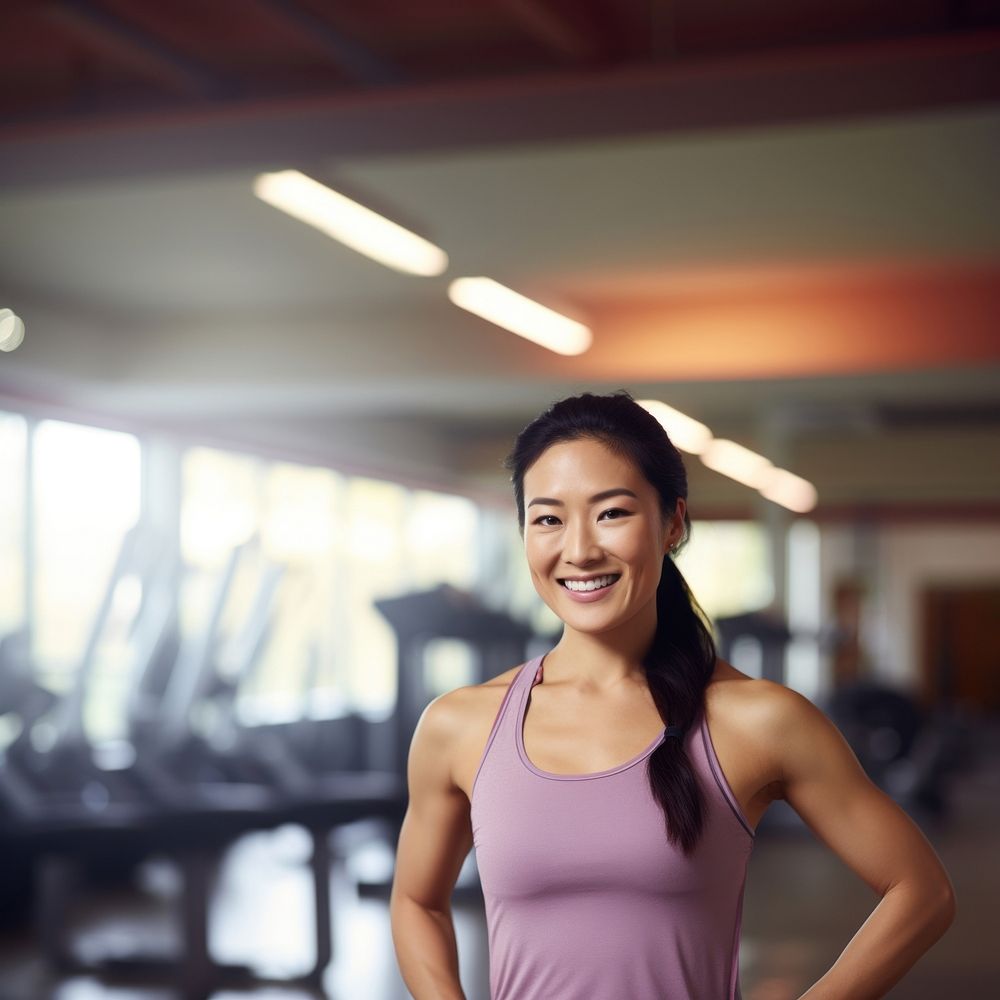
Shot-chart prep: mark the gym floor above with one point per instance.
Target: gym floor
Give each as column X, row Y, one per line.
column 801, row 907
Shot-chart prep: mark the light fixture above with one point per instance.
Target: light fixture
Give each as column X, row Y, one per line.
column 747, row 467
column 684, row 431
column 11, row 330
column 737, row 462
column 789, row 490
column 515, row 312
column 352, row 224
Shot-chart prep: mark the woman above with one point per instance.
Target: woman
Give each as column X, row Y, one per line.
column 612, row 786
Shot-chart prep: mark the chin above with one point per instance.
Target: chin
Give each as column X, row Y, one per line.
column 594, row 622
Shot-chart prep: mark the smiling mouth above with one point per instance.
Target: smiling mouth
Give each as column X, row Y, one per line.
column 587, row 586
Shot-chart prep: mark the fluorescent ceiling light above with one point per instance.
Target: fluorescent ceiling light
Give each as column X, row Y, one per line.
column 11, row 330
column 737, row 462
column 789, row 490
column 515, row 312
column 352, row 224
column 751, row 469
column 684, row 431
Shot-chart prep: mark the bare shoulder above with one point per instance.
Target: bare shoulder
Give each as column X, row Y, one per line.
column 463, row 704
column 749, row 719
column 732, row 694
column 770, row 720
column 464, row 718
column 754, row 699
column 481, row 702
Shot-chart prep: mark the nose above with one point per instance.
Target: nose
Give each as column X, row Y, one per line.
column 580, row 544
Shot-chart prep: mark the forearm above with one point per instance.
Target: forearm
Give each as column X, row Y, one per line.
column 426, row 950
column 906, row 922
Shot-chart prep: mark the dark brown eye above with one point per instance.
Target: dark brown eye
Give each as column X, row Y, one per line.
column 614, row 510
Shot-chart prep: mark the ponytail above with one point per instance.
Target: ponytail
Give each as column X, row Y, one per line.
column 678, row 665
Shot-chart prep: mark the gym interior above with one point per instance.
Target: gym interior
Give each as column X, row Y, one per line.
column 281, row 281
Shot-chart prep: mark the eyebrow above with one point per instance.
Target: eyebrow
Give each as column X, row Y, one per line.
column 617, row 491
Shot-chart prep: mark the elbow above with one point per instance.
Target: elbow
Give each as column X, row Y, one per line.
column 943, row 909
column 933, row 906
column 949, row 907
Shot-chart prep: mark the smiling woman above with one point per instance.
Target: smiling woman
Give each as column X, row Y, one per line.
column 612, row 786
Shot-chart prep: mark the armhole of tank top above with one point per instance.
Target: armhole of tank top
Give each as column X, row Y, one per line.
column 493, row 731
column 720, row 779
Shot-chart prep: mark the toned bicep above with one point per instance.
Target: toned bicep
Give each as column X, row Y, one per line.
column 825, row 784
column 436, row 834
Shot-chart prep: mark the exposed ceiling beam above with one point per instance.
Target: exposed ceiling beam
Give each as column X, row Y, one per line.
column 129, row 44
column 771, row 89
column 557, row 33
column 355, row 60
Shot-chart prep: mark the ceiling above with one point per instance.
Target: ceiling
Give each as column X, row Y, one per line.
column 781, row 218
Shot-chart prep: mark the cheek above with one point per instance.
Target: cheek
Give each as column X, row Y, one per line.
column 536, row 551
column 645, row 560
column 633, row 548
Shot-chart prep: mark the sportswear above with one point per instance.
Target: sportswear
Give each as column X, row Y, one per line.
column 586, row 898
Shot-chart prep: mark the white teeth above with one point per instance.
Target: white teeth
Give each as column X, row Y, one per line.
column 597, row 584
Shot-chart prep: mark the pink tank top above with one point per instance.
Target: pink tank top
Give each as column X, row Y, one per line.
column 586, row 899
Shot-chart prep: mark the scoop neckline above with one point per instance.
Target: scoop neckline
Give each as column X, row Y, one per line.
column 531, row 671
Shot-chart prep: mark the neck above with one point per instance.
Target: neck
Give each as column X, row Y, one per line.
column 602, row 660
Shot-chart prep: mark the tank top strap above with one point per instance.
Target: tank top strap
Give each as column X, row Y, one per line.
column 523, row 679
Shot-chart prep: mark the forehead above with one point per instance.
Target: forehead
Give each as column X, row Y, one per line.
column 583, row 466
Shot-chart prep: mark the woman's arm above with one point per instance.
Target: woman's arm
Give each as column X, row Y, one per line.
column 434, row 840
column 426, row 950
column 822, row 780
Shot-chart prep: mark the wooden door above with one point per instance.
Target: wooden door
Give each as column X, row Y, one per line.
column 961, row 645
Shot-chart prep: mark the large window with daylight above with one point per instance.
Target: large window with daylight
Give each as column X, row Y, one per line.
column 298, row 630
column 13, row 445
column 87, row 492
column 727, row 567
column 280, row 565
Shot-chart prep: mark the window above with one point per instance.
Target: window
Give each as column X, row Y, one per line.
column 301, row 532
column 332, row 544
column 440, row 534
column 341, row 543
column 727, row 566
column 375, row 565
column 86, row 496
column 13, row 447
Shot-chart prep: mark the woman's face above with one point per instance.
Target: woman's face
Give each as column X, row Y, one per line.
column 590, row 515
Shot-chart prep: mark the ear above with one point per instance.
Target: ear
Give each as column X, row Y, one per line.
column 668, row 535
column 672, row 534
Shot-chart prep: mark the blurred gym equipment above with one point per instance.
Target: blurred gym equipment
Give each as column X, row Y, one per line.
column 164, row 789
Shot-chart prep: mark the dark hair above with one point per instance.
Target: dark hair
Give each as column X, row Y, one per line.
column 682, row 656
